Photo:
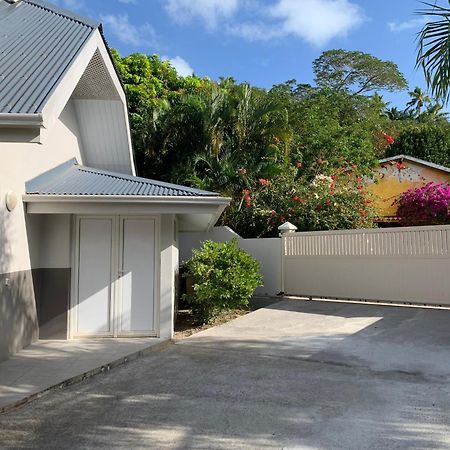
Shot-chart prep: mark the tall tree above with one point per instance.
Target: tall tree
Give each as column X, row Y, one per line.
column 419, row 99
column 357, row 72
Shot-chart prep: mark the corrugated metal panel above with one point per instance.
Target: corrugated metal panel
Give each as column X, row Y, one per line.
column 38, row 42
column 73, row 179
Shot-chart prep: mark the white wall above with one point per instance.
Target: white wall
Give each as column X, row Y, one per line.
column 400, row 265
column 104, row 134
column 169, row 268
column 21, row 162
column 267, row 251
column 55, row 241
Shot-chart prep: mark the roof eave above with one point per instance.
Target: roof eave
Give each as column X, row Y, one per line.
column 186, row 200
column 415, row 160
column 21, row 120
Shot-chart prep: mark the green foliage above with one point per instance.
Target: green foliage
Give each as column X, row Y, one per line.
column 357, row 72
column 327, row 202
column 263, row 147
column 433, row 53
column 224, row 277
column 424, row 141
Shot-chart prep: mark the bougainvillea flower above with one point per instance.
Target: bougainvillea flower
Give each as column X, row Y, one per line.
column 296, row 198
column 247, row 198
column 388, row 138
column 264, row 182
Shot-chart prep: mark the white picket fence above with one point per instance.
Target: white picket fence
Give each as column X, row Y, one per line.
column 393, row 265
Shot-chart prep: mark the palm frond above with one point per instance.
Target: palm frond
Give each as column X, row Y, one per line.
column 433, row 51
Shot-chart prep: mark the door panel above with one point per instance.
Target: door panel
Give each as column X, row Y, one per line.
column 136, row 314
column 94, row 276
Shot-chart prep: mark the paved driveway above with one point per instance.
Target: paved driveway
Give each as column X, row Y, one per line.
column 305, row 375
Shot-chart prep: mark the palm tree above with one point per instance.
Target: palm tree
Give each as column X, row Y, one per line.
column 399, row 114
column 418, row 100
column 433, row 113
column 434, row 50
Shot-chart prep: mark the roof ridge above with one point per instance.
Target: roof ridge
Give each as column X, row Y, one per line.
column 64, row 13
column 417, row 160
column 143, row 180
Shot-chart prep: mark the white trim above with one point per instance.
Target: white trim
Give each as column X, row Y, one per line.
column 21, row 120
column 35, row 198
column 415, row 160
column 67, row 85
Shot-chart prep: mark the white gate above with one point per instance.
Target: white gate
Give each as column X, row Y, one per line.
column 410, row 265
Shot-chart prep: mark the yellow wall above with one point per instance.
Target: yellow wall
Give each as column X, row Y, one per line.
column 391, row 181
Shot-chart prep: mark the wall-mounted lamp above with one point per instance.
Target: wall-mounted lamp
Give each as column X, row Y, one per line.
column 10, row 200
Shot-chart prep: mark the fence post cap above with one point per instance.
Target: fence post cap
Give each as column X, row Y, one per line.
column 287, row 227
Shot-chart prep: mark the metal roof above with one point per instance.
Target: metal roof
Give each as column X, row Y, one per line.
column 72, row 179
column 38, row 43
column 415, row 160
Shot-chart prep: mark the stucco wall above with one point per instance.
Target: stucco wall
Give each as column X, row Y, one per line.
column 168, row 274
column 392, row 179
column 31, row 246
column 20, row 163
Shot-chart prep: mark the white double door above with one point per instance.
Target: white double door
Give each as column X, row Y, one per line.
column 115, row 277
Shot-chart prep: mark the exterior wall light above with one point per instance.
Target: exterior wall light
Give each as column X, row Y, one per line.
column 10, row 200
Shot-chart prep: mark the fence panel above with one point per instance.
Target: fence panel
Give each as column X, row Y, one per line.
column 394, row 264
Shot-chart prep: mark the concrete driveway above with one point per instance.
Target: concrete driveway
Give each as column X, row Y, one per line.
column 303, row 375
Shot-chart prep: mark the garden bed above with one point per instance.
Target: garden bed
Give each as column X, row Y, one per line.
column 185, row 326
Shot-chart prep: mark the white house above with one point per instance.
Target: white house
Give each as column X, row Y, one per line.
column 86, row 247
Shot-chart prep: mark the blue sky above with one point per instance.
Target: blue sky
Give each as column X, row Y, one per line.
column 260, row 41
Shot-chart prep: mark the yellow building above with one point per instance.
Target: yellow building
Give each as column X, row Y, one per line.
column 396, row 175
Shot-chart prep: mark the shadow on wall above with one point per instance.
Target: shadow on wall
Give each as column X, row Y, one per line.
column 18, row 320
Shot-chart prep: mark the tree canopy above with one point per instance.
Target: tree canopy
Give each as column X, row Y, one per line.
column 293, row 152
column 357, row 72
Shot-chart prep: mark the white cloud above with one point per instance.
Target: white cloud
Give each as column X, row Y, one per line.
column 398, row 27
column 182, row 67
column 317, row 21
column 128, row 2
column 120, row 26
column 209, row 11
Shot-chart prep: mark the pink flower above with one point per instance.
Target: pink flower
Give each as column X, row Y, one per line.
column 264, row 182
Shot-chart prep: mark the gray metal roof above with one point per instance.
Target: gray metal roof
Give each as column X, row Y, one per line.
column 72, row 179
column 415, row 160
column 38, row 43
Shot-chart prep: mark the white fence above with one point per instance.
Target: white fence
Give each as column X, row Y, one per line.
column 266, row 251
column 395, row 265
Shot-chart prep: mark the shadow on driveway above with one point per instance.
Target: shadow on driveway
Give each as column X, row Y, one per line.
column 248, row 392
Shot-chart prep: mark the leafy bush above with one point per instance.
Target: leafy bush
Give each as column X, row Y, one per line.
column 427, row 205
column 331, row 200
column 428, row 142
column 224, row 277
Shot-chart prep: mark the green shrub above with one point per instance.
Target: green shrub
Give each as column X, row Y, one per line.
column 428, row 142
column 224, row 277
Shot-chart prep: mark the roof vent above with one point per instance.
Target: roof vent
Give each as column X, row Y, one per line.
column 13, row 1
